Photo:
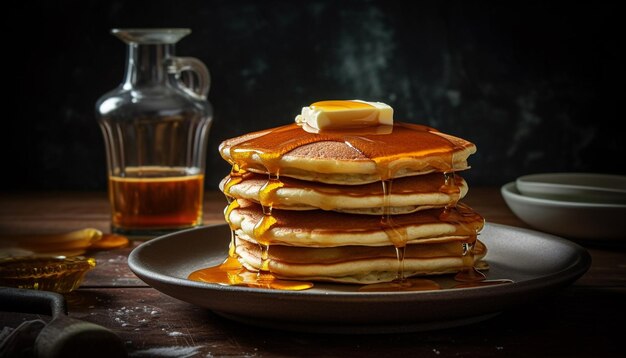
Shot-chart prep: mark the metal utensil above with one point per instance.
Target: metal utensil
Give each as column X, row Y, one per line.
column 62, row 336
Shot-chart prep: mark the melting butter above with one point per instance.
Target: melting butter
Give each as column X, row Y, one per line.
column 338, row 114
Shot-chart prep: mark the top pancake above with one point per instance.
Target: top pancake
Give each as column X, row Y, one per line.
column 348, row 157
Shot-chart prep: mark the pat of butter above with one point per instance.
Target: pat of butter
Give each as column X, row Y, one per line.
column 345, row 114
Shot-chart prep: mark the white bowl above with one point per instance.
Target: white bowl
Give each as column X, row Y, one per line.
column 576, row 220
column 577, row 187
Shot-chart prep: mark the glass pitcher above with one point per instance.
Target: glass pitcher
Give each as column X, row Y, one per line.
column 155, row 126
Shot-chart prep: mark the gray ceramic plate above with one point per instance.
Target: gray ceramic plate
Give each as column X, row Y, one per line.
column 538, row 264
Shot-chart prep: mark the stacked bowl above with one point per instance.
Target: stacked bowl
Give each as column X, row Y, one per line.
column 585, row 206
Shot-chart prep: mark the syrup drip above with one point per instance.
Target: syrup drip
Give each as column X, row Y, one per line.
column 400, row 253
column 397, row 235
column 235, row 177
column 267, row 196
column 232, row 205
column 260, row 233
column 450, row 187
column 469, row 273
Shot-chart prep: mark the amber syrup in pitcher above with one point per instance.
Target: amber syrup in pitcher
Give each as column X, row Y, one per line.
column 156, row 198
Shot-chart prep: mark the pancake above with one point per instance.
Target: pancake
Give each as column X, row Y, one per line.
column 408, row 194
column 358, row 264
column 344, row 195
column 348, row 158
column 318, row 228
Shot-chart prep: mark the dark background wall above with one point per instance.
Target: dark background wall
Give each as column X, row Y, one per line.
column 537, row 85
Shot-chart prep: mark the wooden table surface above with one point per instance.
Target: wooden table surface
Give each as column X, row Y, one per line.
column 586, row 319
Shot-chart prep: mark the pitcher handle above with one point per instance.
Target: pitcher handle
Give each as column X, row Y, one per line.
column 191, row 75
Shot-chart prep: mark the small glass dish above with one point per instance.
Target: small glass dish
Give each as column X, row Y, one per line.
column 48, row 273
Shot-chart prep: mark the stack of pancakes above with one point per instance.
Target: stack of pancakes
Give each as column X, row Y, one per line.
column 364, row 205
